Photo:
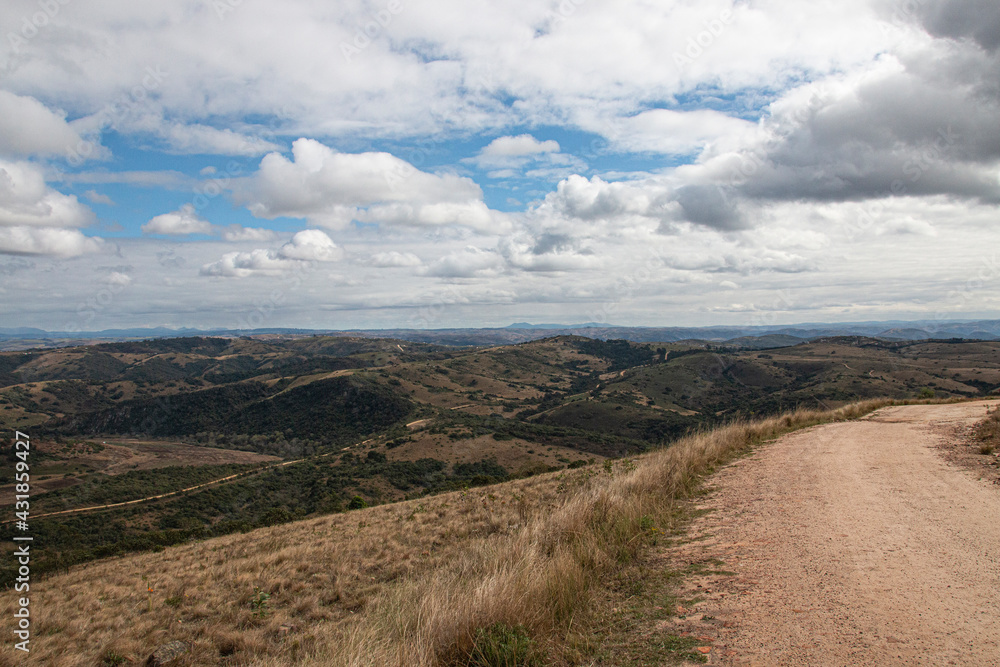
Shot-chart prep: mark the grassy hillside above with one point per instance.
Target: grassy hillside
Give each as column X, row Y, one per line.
column 377, row 421
column 506, row 570
column 337, row 409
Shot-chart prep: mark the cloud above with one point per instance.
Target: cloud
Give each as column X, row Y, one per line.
column 255, row 262
column 178, row 223
column 235, row 232
column 914, row 125
column 202, row 139
column 547, row 252
column 168, row 180
column 118, row 279
column 26, row 200
column 458, row 67
column 473, row 214
column 28, row 127
column 46, row 241
column 393, row 258
column 505, row 156
column 902, row 128
column 674, row 132
column 757, row 260
column 581, row 206
column 522, row 144
column 330, row 189
column 771, row 154
column 97, row 198
column 708, row 205
column 310, row 245
column 978, row 19
column 466, row 263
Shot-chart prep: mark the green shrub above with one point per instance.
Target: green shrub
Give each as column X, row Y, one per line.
column 112, row 658
column 500, row 645
column 258, row 603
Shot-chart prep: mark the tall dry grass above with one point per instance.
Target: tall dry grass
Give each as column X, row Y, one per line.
column 538, row 578
column 987, row 433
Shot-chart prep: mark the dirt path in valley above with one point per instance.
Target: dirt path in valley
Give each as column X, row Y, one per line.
column 169, row 494
column 849, row 544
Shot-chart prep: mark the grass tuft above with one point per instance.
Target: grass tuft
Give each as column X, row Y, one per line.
column 500, row 645
column 987, row 433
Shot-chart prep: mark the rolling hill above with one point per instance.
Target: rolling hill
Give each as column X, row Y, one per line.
column 371, row 421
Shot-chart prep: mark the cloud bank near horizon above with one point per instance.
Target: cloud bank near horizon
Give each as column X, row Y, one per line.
column 468, row 163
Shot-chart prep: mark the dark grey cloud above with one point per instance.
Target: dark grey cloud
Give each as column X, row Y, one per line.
column 547, row 243
column 709, row 205
column 923, row 125
column 977, row 19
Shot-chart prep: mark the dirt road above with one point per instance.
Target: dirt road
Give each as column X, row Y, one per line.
column 849, row 544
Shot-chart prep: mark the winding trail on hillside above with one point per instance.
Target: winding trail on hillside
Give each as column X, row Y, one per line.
column 169, row 494
column 852, row 543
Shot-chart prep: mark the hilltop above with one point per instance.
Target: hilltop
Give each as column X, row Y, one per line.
column 23, row 338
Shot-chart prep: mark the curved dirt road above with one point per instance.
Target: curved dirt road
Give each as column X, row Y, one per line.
column 849, row 544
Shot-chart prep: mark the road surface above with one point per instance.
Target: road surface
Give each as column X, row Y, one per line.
column 848, row 544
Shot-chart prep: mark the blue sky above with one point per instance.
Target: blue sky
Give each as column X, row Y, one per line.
column 467, row 163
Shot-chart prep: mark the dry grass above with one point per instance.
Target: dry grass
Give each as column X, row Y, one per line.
column 987, row 433
column 414, row 583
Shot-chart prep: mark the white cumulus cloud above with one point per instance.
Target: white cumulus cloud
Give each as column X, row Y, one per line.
column 46, row 241
column 310, row 245
column 28, row 127
column 522, row 144
column 467, row 263
column 183, row 221
column 25, row 199
column 329, row 189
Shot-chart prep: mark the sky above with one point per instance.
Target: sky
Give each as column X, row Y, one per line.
column 464, row 163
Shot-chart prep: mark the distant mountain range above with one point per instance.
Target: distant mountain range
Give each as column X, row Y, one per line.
column 746, row 336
